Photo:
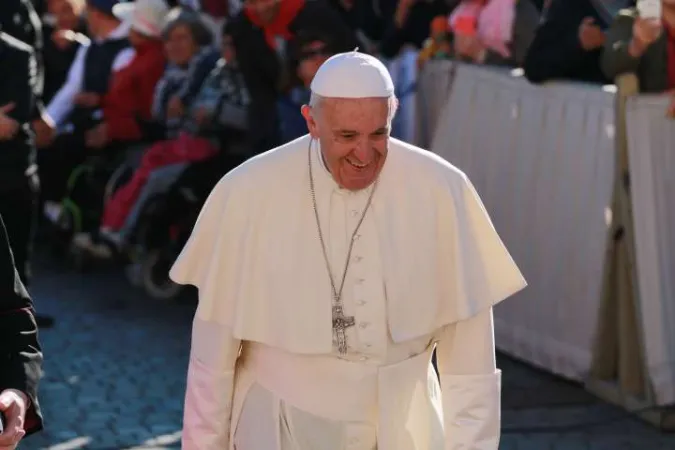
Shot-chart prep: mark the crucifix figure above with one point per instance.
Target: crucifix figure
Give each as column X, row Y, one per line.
column 340, row 325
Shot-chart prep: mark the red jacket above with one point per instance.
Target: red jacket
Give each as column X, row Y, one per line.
column 131, row 93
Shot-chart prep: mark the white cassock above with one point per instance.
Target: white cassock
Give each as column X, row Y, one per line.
column 426, row 269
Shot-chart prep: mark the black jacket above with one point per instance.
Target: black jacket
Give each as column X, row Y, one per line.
column 20, row 351
column 17, row 86
column 556, row 52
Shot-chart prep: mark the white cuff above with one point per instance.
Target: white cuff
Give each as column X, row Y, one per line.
column 471, row 411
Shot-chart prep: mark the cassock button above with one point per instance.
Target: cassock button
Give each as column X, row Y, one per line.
column 354, row 213
column 363, row 358
column 363, row 325
column 361, row 302
column 358, row 258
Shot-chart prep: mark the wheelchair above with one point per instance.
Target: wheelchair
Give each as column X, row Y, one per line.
column 167, row 222
column 91, row 185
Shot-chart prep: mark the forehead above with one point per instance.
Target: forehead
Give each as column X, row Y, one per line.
column 357, row 114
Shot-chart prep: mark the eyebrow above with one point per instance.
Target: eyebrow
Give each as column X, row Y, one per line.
column 383, row 129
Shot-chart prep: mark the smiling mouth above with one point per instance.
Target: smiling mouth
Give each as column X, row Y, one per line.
column 356, row 165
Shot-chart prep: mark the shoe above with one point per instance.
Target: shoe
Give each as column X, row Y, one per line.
column 44, row 321
column 98, row 249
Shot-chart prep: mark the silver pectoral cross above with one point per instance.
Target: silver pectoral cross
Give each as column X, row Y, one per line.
column 340, row 325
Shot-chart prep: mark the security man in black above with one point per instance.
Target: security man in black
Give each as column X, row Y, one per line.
column 20, row 89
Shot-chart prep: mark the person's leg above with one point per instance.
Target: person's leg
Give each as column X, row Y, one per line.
column 160, row 182
column 18, row 208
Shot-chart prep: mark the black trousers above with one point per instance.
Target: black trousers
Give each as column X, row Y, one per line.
column 18, row 207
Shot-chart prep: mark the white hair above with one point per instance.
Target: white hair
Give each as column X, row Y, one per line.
column 316, row 99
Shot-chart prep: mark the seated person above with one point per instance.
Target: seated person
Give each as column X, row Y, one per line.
column 128, row 103
column 191, row 58
column 645, row 47
column 494, row 32
column 568, row 43
column 218, row 114
column 76, row 107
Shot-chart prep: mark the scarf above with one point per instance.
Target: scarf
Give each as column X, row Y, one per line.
column 494, row 22
column 278, row 27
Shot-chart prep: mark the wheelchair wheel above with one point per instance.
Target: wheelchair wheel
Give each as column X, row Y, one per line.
column 155, row 276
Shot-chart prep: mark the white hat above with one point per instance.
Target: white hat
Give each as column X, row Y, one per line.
column 145, row 16
column 352, row 75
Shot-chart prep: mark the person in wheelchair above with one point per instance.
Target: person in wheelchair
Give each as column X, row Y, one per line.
column 218, row 113
column 119, row 111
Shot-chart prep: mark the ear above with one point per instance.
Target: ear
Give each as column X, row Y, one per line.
column 312, row 126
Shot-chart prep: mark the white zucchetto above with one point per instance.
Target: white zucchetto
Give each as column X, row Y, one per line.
column 352, row 75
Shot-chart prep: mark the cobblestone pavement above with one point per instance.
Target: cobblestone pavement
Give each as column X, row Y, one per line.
column 115, row 368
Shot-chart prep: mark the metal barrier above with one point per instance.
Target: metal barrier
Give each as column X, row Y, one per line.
column 651, row 151
column 542, row 159
column 580, row 183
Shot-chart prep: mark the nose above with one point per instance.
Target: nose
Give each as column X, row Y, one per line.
column 363, row 151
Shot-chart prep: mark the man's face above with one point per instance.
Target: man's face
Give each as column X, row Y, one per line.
column 266, row 10
column 354, row 138
column 312, row 56
column 65, row 14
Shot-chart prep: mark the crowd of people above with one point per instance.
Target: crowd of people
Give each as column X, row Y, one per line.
column 143, row 106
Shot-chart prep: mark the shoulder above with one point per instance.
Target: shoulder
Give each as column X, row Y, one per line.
column 425, row 166
column 267, row 172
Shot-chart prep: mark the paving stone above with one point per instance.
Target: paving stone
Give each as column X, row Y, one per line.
column 115, row 367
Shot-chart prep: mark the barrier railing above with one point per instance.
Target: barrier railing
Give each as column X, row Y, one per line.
column 651, row 151
column 560, row 167
column 542, row 158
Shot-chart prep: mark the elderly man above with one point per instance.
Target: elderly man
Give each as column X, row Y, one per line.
column 328, row 271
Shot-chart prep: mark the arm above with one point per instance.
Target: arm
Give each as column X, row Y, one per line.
column 20, row 350
column 616, row 57
column 17, row 85
column 210, row 384
column 62, row 103
column 470, row 383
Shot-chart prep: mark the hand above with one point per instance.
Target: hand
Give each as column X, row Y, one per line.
column 174, row 109
column 87, row 99
column 470, row 47
column 45, row 133
column 591, row 36
column 645, row 33
column 63, row 39
column 671, row 109
column 202, row 116
column 97, row 137
column 8, row 126
column 13, row 405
